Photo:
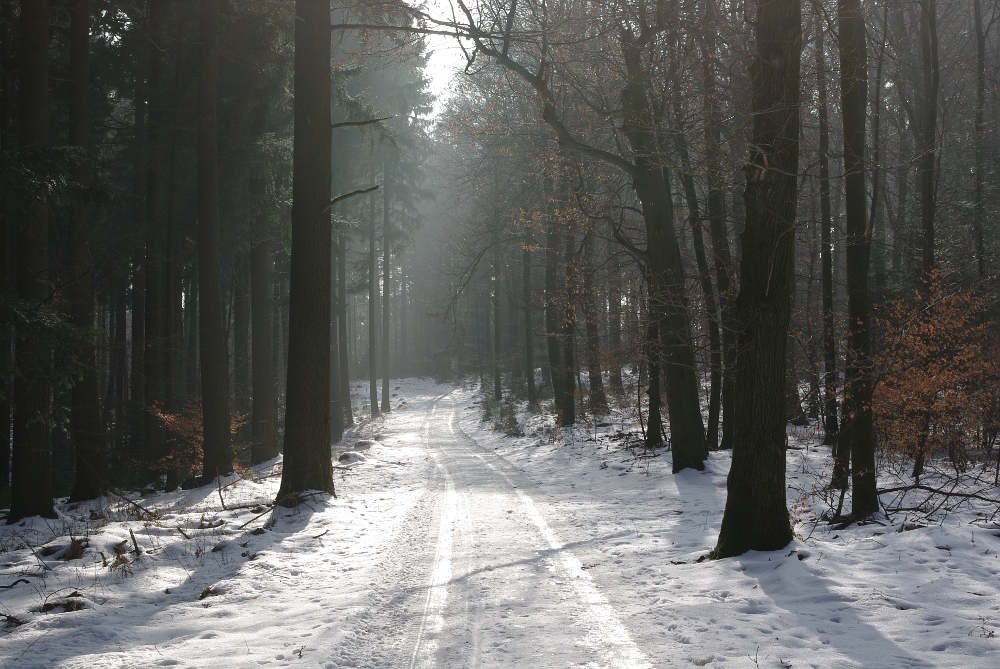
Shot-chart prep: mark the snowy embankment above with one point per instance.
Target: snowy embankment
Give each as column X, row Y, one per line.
column 452, row 545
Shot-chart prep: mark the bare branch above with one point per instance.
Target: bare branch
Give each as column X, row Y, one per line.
column 341, row 198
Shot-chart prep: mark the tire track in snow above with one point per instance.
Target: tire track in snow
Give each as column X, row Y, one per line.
column 432, row 619
column 605, row 633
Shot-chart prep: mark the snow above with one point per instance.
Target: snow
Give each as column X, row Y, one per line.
column 450, row 544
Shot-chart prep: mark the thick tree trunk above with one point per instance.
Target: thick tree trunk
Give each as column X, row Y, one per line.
column 218, row 455
column 88, row 435
column 756, row 515
column 8, row 227
column 264, row 435
column 687, row 432
column 31, row 463
column 154, row 435
column 308, row 464
column 858, row 395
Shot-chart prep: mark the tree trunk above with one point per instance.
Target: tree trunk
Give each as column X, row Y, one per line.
column 717, row 223
column 928, row 150
column 858, row 395
column 615, row 326
column 386, row 289
column 345, row 360
column 8, row 227
column 598, row 400
column 218, row 455
column 336, row 402
column 308, row 464
column 88, row 434
column 831, row 424
column 654, row 417
column 707, row 289
column 529, row 335
column 495, row 318
column 553, row 319
column 372, row 310
column 979, row 214
column 154, row 435
column 241, row 343
column 569, row 366
column 31, row 463
column 687, row 432
column 756, row 515
column 264, row 436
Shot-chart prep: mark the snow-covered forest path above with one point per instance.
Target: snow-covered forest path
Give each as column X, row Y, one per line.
column 452, row 545
column 481, row 579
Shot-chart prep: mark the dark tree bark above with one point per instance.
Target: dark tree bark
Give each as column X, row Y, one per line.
column 858, row 395
column 308, row 464
column 8, row 227
column 654, row 416
column 31, row 463
column 264, row 435
column 218, row 455
column 154, row 435
column 88, row 435
column 649, row 178
column 707, row 289
column 345, row 361
column 756, row 515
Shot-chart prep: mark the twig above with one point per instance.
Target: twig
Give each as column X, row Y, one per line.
column 135, row 543
column 24, row 580
column 938, row 491
column 351, row 124
column 222, row 501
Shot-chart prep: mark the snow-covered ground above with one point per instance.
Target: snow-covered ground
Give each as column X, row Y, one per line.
column 451, row 545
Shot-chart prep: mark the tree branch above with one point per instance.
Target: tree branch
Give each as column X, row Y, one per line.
column 341, row 198
column 351, row 124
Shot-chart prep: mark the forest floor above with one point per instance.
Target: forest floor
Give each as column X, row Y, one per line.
column 450, row 544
